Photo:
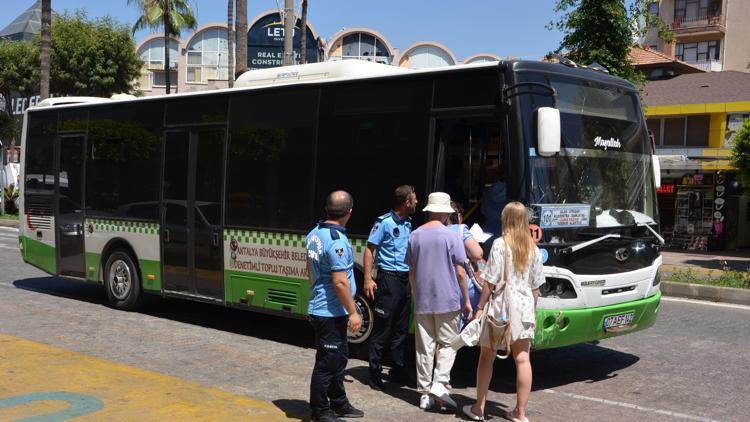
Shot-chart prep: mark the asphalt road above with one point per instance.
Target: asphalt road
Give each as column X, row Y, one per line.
column 692, row 365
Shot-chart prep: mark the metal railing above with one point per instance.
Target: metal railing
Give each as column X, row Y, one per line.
column 709, row 65
column 698, row 21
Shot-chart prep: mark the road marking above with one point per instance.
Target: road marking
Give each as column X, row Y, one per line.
column 105, row 390
column 705, row 302
column 12, row 248
column 632, row 406
column 9, row 229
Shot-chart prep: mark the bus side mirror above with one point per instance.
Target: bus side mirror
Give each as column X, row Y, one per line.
column 656, row 168
column 548, row 131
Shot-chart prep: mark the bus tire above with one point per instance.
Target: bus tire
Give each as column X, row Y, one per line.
column 122, row 281
column 359, row 342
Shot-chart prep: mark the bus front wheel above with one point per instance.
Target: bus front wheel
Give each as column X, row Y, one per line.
column 122, row 281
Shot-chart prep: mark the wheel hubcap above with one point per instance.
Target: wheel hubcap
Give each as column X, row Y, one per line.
column 364, row 311
column 120, row 280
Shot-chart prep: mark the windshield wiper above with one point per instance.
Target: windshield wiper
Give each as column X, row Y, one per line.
column 658, row 237
column 588, row 243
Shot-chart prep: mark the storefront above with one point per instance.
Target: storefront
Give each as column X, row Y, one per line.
column 703, row 210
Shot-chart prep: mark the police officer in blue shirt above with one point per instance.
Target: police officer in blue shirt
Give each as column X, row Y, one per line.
column 331, row 309
column 390, row 292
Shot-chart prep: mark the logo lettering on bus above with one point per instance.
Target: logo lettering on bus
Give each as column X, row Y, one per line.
column 607, row 143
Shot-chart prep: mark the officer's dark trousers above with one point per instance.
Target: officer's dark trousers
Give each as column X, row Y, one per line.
column 392, row 305
column 327, row 382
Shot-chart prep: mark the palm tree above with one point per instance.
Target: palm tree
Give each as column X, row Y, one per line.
column 303, row 35
column 241, row 34
column 46, row 44
column 172, row 15
column 230, row 43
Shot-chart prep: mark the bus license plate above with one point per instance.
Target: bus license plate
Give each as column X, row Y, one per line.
column 618, row 322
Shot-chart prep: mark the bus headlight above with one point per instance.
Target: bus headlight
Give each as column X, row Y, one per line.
column 657, row 280
column 559, row 287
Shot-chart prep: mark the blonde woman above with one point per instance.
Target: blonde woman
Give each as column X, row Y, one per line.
column 525, row 274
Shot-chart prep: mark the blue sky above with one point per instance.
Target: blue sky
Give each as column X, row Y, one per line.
column 467, row 27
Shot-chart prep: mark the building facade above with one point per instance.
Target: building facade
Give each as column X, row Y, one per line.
column 693, row 118
column 199, row 60
column 709, row 34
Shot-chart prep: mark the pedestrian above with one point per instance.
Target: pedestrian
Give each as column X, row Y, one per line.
column 331, row 308
column 473, row 252
column 525, row 273
column 390, row 291
column 435, row 256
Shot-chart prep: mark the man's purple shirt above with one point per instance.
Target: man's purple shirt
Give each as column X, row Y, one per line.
column 432, row 255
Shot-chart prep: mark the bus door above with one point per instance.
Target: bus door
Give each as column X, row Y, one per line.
column 69, row 219
column 470, row 165
column 191, row 212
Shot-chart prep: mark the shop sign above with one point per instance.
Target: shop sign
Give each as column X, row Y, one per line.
column 265, row 43
column 666, row 188
column 561, row 216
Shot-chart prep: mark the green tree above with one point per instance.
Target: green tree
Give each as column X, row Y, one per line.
column 46, row 35
column 92, row 57
column 19, row 72
column 171, row 15
column 303, row 35
column 241, row 38
column 604, row 31
column 230, row 43
column 741, row 154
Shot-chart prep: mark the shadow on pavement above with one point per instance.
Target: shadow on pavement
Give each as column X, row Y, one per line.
column 587, row 362
column 290, row 331
column 295, row 409
column 718, row 264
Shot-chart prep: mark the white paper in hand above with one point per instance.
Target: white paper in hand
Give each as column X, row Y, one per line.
column 479, row 234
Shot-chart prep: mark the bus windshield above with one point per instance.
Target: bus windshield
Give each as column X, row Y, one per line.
column 604, row 166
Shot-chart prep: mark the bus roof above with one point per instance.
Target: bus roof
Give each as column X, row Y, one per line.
column 335, row 71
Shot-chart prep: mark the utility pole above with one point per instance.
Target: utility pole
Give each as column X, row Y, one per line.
column 289, row 19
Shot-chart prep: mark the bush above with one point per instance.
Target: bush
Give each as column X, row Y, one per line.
column 10, row 194
column 726, row 278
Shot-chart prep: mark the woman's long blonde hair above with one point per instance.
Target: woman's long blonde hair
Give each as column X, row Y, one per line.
column 517, row 236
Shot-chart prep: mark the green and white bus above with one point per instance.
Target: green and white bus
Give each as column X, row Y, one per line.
column 208, row 196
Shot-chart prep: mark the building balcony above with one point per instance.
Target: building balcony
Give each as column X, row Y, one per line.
column 701, row 24
column 709, row 65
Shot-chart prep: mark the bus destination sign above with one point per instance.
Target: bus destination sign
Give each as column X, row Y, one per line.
column 560, row 216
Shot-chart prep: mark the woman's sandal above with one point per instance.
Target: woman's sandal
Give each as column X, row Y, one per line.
column 511, row 417
column 471, row 415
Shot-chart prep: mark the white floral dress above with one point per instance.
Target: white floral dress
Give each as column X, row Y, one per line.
column 519, row 286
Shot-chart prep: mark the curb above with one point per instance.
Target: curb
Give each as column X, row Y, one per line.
column 9, row 223
column 704, row 292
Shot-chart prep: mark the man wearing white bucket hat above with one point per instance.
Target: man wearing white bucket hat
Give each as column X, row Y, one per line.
column 434, row 256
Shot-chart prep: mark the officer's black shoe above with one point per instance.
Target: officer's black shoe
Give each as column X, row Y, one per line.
column 325, row 416
column 376, row 383
column 399, row 376
column 349, row 411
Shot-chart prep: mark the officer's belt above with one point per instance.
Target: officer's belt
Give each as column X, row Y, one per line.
column 393, row 273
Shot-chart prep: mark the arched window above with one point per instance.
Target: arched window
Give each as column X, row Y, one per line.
column 482, row 59
column 363, row 46
column 426, row 56
column 207, row 56
column 152, row 54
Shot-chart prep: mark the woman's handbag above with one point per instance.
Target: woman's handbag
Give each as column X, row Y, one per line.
column 494, row 322
column 496, row 318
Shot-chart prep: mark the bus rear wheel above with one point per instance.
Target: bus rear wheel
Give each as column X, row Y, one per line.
column 122, row 281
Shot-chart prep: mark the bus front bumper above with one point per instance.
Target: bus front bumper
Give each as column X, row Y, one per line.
column 565, row 327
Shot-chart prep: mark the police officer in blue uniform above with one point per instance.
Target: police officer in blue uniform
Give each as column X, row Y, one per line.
column 390, row 292
column 331, row 309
